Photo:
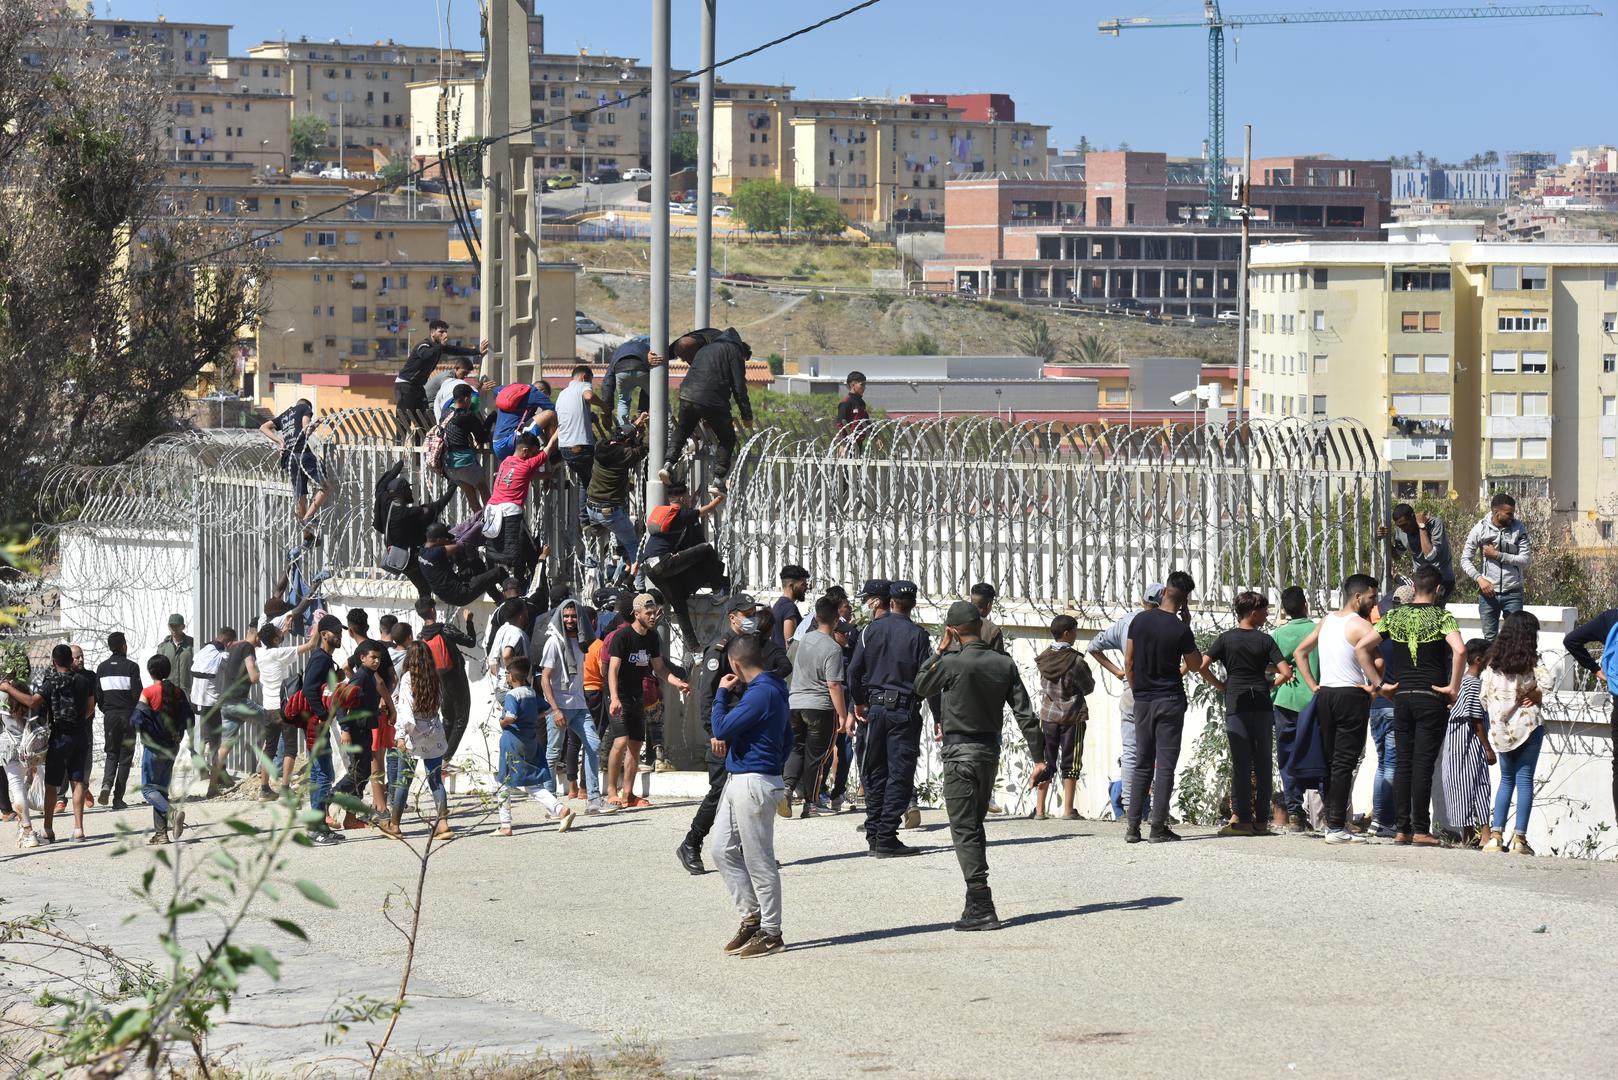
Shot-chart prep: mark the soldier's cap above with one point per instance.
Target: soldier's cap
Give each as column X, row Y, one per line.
column 903, row 590
column 794, row 572
column 1154, row 593
column 880, row 588
column 983, row 589
column 176, row 619
column 962, row 613
column 743, row 603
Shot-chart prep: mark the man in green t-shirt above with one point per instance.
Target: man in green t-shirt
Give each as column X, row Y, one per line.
column 1290, row 699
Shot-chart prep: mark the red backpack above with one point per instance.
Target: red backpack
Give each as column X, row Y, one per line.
column 512, row 397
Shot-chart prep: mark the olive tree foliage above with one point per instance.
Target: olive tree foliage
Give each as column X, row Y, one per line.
column 110, row 304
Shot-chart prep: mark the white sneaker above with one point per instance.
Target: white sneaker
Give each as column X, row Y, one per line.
column 598, row 805
column 29, row 839
column 1343, row 836
column 565, row 820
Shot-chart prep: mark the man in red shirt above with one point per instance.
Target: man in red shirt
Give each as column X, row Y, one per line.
column 509, row 543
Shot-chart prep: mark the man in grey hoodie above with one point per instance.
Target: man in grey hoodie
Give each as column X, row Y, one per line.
column 562, row 684
column 1496, row 556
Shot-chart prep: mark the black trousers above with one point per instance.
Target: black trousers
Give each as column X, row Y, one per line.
column 1159, row 728
column 412, row 411
column 811, row 741
column 413, row 572
column 679, row 575
column 893, row 744
column 1419, row 722
column 1343, row 713
column 119, row 739
column 461, row 591
column 1251, row 731
column 455, row 706
column 718, row 418
column 702, row 820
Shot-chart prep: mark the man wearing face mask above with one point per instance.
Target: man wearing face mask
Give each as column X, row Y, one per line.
column 882, row 677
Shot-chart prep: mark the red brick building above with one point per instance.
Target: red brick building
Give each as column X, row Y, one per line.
column 981, row 107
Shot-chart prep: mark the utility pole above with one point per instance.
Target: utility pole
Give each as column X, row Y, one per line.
column 705, row 168
column 657, row 430
column 1244, row 210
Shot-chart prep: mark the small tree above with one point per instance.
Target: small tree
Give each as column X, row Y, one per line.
column 468, row 155
column 308, row 137
column 683, row 150
column 393, row 173
column 1090, row 348
column 1035, row 340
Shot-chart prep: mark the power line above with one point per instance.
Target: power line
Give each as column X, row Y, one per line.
column 489, row 140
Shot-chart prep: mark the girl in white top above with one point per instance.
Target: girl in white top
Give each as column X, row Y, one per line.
column 17, row 739
column 1511, row 693
column 421, row 734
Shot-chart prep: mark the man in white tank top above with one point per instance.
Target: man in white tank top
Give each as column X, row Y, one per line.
column 573, row 421
column 1346, row 641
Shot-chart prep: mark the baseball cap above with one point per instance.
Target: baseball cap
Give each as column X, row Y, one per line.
column 176, row 619
column 741, row 602
column 645, row 600
column 330, row 624
column 903, row 590
column 794, row 572
column 880, row 588
column 983, row 589
column 1154, row 593
column 1405, row 594
column 962, row 613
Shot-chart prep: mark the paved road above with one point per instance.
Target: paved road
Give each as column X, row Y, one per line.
column 1260, row 957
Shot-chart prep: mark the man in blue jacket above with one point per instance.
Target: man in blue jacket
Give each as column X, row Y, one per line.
column 752, row 728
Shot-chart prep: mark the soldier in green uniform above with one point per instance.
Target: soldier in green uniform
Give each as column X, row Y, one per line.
column 977, row 684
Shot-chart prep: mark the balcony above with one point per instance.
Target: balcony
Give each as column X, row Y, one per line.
column 1507, row 427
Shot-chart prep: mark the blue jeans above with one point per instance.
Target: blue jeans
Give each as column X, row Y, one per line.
column 581, row 724
column 1286, row 726
column 1490, row 608
column 627, row 385
column 402, row 774
column 321, row 772
column 1517, row 773
column 156, row 770
column 623, row 529
column 1382, row 811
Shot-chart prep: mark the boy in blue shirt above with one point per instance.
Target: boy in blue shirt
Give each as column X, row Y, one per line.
column 752, row 728
column 522, row 752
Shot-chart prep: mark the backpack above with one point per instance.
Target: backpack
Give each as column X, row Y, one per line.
column 512, row 397
column 432, row 448
column 1609, row 659
column 661, row 518
column 440, row 650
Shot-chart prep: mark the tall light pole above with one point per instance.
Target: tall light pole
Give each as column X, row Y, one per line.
column 658, row 427
column 1245, row 210
column 705, row 168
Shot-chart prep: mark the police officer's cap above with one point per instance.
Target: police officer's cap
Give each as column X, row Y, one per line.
column 903, row 590
column 743, row 603
column 794, row 572
column 880, row 588
column 983, row 589
column 962, row 613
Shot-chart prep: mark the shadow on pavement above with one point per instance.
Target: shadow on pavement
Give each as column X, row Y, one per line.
column 860, row 853
column 1145, row 903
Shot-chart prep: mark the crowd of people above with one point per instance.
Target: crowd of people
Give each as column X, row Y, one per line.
column 807, row 710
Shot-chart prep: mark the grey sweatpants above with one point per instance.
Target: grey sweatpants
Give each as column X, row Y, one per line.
column 1126, row 760
column 743, row 846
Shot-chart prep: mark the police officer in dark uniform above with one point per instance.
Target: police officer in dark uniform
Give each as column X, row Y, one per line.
column 976, row 684
column 712, row 666
column 882, row 677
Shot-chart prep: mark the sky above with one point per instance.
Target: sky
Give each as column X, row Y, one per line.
column 1449, row 89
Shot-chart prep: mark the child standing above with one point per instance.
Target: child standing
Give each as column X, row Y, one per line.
column 1468, row 755
column 1249, row 655
column 1511, row 693
column 162, row 717
column 522, row 755
column 1065, row 680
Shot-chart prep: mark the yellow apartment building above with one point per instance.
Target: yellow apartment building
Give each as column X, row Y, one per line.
column 214, row 118
column 1478, row 365
column 874, row 157
column 183, row 47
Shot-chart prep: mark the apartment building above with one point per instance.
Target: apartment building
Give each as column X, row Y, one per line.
column 184, row 48
column 879, row 159
column 216, row 118
column 1480, row 365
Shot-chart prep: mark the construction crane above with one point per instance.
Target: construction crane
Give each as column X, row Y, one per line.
column 1216, row 24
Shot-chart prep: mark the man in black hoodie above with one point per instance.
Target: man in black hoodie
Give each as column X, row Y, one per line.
column 118, row 683
column 716, row 373
column 403, row 522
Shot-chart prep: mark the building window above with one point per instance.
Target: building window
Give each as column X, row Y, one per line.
column 1609, row 405
column 1535, row 449
column 1609, row 280
column 1407, row 365
column 1536, row 404
column 1502, row 404
column 1320, row 365
column 1435, row 364
column 1117, row 395
column 1523, row 324
column 1431, row 322
column 1410, row 322
column 1503, row 278
column 1421, row 404
column 1609, row 363
column 1320, row 321
column 308, row 348
column 1502, row 363
column 1503, row 449
column 1534, row 278
column 1421, row 281
column 1320, row 277
column 359, row 314
column 1609, row 449
column 1609, row 322
column 1535, row 363
column 1320, row 405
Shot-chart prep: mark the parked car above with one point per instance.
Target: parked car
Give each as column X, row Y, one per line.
column 637, row 174
column 1229, row 318
column 583, row 324
column 711, row 272
column 561, row 181
column 335, row 172
column 606, row 174
column 724, row 211
column 434, row 187
column 1127, row 303
column 678, row 208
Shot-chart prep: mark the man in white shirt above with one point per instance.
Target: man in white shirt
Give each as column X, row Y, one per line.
column 1348, row 681
column 278, row 660
column 442, row 386
column 573, row 432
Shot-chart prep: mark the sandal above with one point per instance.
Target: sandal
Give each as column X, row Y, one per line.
column 504, row 830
